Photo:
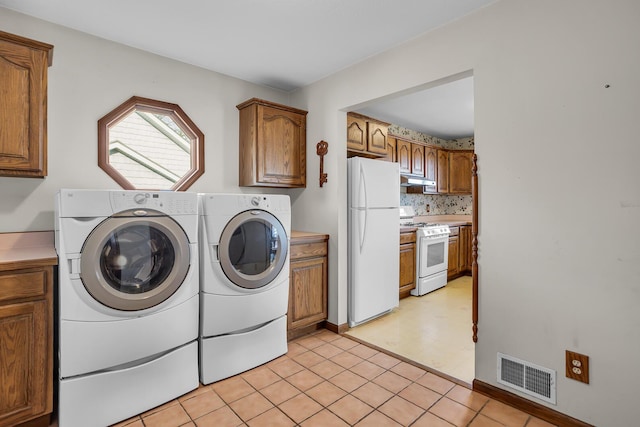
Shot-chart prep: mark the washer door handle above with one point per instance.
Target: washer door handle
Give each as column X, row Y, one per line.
column 215, row 256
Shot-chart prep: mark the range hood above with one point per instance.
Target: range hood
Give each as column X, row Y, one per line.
column 407, row 180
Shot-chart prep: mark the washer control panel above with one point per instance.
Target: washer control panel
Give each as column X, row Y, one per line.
column 169, row 202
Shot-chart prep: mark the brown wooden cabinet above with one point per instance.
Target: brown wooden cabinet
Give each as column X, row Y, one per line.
column 23, row 115
column 464, row 258
column 403, row 155
column 308, row 281
column 460, row 246
column 443, row 171
column 26, row 344
column 273, row 145
column 454, row 253
column 366, row 136
column 407, row 263
column 431, row 168
column 417, row 159
column 356, row 132
column 391, row 150
column 460, row 164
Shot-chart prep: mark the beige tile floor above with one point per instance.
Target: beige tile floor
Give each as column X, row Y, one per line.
column 433, row 330
column 330, row 380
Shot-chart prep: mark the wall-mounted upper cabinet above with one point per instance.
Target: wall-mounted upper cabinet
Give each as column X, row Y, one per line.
column 460, row 165
column 273, row 144
column 23, row 115
column 366, row 136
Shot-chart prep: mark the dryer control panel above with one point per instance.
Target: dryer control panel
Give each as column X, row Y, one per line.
column 169, row 202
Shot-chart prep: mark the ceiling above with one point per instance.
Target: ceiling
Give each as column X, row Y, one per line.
column 283, row 44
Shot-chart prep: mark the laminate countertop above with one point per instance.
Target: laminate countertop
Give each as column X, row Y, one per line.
column 450, row 220
column 307, row 235
column 27, row 250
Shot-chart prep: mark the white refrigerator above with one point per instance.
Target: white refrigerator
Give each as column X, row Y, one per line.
column 374, row 248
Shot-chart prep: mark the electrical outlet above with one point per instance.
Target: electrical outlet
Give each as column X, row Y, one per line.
column 577, row 366
column 428, row 208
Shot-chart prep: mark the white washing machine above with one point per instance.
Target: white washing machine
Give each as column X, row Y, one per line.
column 244, row 281
column 128, row 302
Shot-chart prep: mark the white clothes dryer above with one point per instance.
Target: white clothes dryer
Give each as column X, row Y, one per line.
column 128, row 302
column 244, row 281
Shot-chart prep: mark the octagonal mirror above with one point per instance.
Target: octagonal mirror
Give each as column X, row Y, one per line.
column 144, row 144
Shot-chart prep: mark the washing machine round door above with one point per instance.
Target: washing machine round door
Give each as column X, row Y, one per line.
column 135, row 260
column 253, row 249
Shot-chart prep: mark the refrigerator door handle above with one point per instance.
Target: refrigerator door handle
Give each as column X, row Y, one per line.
column 362, row 221
column 363, row 188
column 362, row 227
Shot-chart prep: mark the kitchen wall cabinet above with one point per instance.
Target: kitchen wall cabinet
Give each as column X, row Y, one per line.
column 454, row 252
column 391, row 150
column 403, row 155
column 308, row 280
column 273, row 145
column 417, row 159
column 407, row 263
column 26, row 350
column 442, row 171
column 23, row 117
column 410, row 157
column 366, row 136
column 460, row 164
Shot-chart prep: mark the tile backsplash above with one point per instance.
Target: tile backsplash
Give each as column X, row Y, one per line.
column 439, row 204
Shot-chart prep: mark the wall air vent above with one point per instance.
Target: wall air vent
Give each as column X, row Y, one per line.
column 528, row 378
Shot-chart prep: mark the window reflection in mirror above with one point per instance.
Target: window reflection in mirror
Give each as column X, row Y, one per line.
column 149, row 144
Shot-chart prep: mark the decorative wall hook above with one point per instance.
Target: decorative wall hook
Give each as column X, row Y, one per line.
column 321, row 149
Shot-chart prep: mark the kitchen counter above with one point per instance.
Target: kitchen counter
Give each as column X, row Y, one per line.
column 307, row 235
column 450, row 220
column 26, row 250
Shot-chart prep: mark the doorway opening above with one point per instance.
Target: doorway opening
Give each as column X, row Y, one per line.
column 437, row 330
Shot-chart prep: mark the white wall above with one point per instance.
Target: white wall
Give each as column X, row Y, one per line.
column 559, row 201
column 90, row 77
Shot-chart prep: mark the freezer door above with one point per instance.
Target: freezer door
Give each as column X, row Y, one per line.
column 374, row 255
column 373, row 183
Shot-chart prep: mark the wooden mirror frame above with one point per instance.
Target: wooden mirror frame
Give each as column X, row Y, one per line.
column 159, row 107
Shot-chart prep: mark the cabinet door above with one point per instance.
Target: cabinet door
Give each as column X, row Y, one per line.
column 377, row 141
column 356, row 133
column 23, row 115
column 391, row 150
column 460, row 164
column 407, row 268
column 282, row 146
column 454, row 247
column 24, row 362
column 417, row 159
column 403, row 150
column 308, row 292
column 465, row 235
column 443, row 171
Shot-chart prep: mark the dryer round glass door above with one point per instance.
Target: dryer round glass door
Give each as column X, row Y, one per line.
column 253, row 249
column 132, row 262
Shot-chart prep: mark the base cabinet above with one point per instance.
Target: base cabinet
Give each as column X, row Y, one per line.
column 26, row 346
column 460, row 248
column 454, row 253
column 407, row 263
column 308, row 280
